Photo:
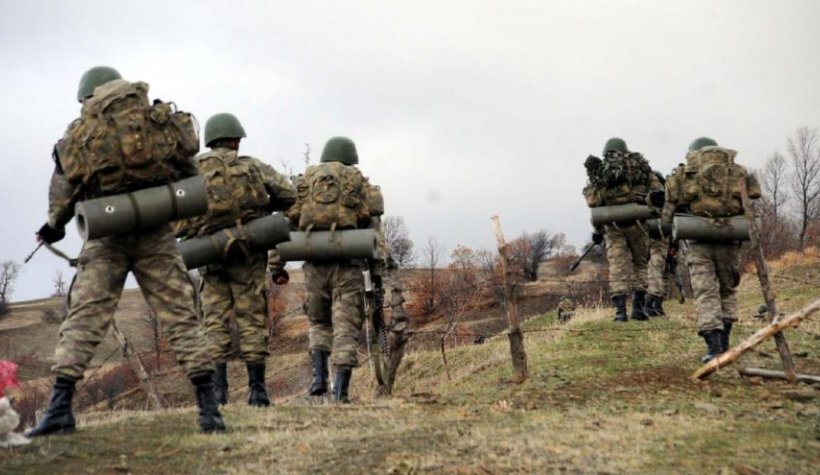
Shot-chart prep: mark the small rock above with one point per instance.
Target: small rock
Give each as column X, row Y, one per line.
column 708, row 408
column 716, row 392
column 670, row 412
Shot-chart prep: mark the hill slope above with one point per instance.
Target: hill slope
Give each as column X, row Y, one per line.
column 601, row 398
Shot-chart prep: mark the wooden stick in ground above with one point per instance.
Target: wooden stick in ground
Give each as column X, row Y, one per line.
column 765, row 283
column 136, row 365
column 769, row 374
column 519, row 355
column 396, row 339
column 733, row 354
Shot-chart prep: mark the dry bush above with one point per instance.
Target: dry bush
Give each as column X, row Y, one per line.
column 106, row 386
column 27, row 400
column 54, row 314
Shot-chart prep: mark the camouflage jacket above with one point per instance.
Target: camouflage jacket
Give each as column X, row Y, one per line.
column 240, row 188
column 693, row 189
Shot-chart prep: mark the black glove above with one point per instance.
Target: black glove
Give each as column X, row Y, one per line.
column 281, row 277
column 597, row 238
column 49, row 234
column 656, row 199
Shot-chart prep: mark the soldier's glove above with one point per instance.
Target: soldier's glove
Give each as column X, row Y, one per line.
column 281, row 277
column 50, row 235
column 597, row 238
column 656, row 198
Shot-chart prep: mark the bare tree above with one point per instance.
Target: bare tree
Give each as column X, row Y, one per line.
column 306, row 155
column 432, row 258
column 530, row 250
column 774, row 182
column 9, row 272
column 805, row 183
column 398, row 241
column 59, row 284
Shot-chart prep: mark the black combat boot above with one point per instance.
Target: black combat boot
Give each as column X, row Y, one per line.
column 318, row 359
column 210, row 420
column 257, row 396
column 638, row 303
column 620, row 307
column 714, row 346
column 659, row 307
column 652, row 306
column 724, row 336
column 341, row 383
column 58, row 419
column 221, row 383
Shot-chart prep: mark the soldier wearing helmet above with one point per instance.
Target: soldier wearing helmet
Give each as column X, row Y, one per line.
column 241, row 188
column 88, row 169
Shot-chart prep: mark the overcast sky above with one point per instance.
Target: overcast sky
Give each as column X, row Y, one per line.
column 459, row 109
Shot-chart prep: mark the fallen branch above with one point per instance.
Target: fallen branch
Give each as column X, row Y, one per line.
column 733, row 354
column 769, row 374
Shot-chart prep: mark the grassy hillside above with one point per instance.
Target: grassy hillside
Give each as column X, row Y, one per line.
column 601, row 398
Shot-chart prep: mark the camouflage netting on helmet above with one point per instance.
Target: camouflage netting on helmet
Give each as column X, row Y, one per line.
column 622, row 177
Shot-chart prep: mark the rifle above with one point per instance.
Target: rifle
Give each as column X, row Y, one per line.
column 578, row 262
column 374, row 322
column 671, row 268
column 72, row 261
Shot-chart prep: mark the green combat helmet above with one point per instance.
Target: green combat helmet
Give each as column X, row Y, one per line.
column 701, row 142
column 340, row 149
column 615, row 144
column 96, row 76
column 223, row 126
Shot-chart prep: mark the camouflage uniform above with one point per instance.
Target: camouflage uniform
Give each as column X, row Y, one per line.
column 656, row 281
column 627, row 245
column 239, row 288
column 115, row 161
column 714, row 266
column 335, row 195
column 566, row 309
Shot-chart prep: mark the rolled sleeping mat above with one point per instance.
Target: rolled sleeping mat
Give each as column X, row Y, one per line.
column 327, row 245
column 621, row 214
column 142, row 209
column 698, row 228
column 658, row 230
column 259, row 235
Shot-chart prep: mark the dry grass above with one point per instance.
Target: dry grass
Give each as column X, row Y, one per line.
column 601, row 398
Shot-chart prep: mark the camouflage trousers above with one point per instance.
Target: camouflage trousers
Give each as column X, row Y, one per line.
column 656, row 284
column 335, row 308
column 627, row 251
column 715, row 274
column 238, row 290
column 102, row 267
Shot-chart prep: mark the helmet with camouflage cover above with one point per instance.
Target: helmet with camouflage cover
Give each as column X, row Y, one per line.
column 96, row 76
column 340, row 149
column 701, row 142
column 223, row 126
column 615, row 144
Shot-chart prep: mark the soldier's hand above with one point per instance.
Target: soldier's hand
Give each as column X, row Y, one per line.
column 50, row 235
column 597, row 238
column 280, row 278
column 656, row 198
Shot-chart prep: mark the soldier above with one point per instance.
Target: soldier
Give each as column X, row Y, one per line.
column 622, row 177
column 115, row 161
column 709, row 186
column 241, row 189
column 334, row 195
column 566, row 309
column 658, row 247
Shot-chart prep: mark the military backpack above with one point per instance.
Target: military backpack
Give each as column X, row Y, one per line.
column 122, row 142
column 236, row 192
column 712, row 183
column 623, row 177
column 332, row 195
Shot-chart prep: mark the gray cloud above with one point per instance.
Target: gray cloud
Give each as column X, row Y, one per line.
column 461, row 110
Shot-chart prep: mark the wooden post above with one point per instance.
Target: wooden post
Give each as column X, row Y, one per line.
column 136, row 365
column 765, row 284
column 517, row 352
column 396, row 340
column 773, row 328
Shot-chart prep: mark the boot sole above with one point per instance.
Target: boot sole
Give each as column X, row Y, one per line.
column 63, row 431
